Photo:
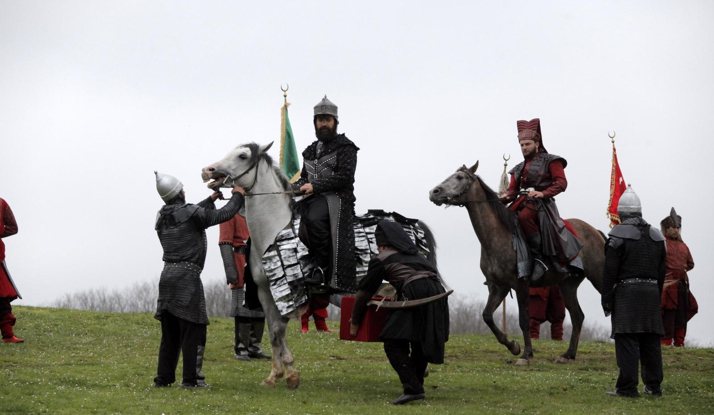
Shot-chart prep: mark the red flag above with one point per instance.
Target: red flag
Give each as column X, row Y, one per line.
column 617, row 188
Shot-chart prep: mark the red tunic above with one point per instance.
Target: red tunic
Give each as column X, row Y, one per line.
column 235, row 232
column 8, row 227
column 560, row 183
column 679, row 261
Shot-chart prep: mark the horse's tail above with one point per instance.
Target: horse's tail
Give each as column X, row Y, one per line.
column 431, row 244
column 604, row 237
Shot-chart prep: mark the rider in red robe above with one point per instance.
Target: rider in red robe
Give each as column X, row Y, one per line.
column 534, row 184
column 8, row 227
column 678, row 304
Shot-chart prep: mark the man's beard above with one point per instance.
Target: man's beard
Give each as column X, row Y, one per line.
column 325, row 133
column 531, row 154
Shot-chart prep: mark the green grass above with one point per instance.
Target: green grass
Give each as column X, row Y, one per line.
column 81, row 362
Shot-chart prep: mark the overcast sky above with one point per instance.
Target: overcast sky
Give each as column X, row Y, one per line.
column 96, row 95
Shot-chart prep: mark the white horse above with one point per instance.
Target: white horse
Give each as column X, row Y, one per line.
column 250, row 167
column 268, row 212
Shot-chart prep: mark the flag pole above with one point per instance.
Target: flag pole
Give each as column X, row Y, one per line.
column 282, row 121
column 502, row 188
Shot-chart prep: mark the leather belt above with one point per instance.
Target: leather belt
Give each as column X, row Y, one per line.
column 637, row 280
column 184, row 265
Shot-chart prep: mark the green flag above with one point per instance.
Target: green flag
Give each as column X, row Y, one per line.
column 289, row 161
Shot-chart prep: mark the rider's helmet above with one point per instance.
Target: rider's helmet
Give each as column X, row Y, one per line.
column 167, row 186
column 629, row 204
column 326, row 107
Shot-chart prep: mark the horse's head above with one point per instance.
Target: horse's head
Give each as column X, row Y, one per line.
column 238, row 167
column 453, row 190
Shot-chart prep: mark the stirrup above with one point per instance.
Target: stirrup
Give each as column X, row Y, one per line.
column 539, row 268
column 317, row 277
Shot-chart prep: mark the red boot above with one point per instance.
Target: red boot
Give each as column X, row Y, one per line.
column 666, row 342
column 304, row 321
column 13, row 339
column 320, row 316
column 679, row 337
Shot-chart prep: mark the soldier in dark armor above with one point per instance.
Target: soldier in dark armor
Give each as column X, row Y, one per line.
column 632, row 281
column 534, row 184
column 328, row 176
column 181, row 306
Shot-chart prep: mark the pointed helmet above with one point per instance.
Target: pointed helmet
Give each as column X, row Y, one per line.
column 629, row 204
column 167, row 186
column 671, row 221
column 326, row 107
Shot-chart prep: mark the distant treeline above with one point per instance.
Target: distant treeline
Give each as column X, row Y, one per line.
column 465, row 312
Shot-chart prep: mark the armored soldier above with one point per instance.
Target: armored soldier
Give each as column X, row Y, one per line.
column 534, row 184
column 632, row 281
column 328, row 176
column 678, row 303
column 181, row 306
column 8, row 291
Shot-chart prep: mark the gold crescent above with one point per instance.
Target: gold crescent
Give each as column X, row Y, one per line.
column 287, row 86
column 611, row 135
column 504, row 157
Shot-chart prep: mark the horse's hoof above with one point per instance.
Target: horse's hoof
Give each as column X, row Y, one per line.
column 564, row 360
column 293, row 380
column 268, row 383
column 515, row 348
column 523, row 362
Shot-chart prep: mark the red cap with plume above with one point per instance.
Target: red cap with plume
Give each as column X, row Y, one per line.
column 530, row 130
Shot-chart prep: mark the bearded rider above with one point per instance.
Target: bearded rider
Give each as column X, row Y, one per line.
column 534, row 184
column 328, row 176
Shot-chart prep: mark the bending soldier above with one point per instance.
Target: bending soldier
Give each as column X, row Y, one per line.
column 424, row 328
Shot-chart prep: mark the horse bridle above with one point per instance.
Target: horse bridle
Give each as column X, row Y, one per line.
column 472, row 178
column 233, row 179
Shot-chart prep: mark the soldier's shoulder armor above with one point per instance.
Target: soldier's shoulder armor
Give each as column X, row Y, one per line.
column 614, row 242
column 553, row 157
column 656, row 235
column 626, row 232
column 185, row 212
column 516, row 168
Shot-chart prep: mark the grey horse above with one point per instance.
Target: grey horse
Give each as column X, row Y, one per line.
column 494, row 225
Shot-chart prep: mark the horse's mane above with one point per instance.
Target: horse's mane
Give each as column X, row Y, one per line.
column 506, row 216
column 255, row 154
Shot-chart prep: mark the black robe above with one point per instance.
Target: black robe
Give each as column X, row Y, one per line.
column 427, row 324
column 338, row 189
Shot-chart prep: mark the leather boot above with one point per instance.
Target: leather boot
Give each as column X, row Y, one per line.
column 535, row 245
column 241, row 349
column 256, row 336
column 200, row 377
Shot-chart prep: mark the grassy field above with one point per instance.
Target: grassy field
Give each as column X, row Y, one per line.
column 80, row 362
